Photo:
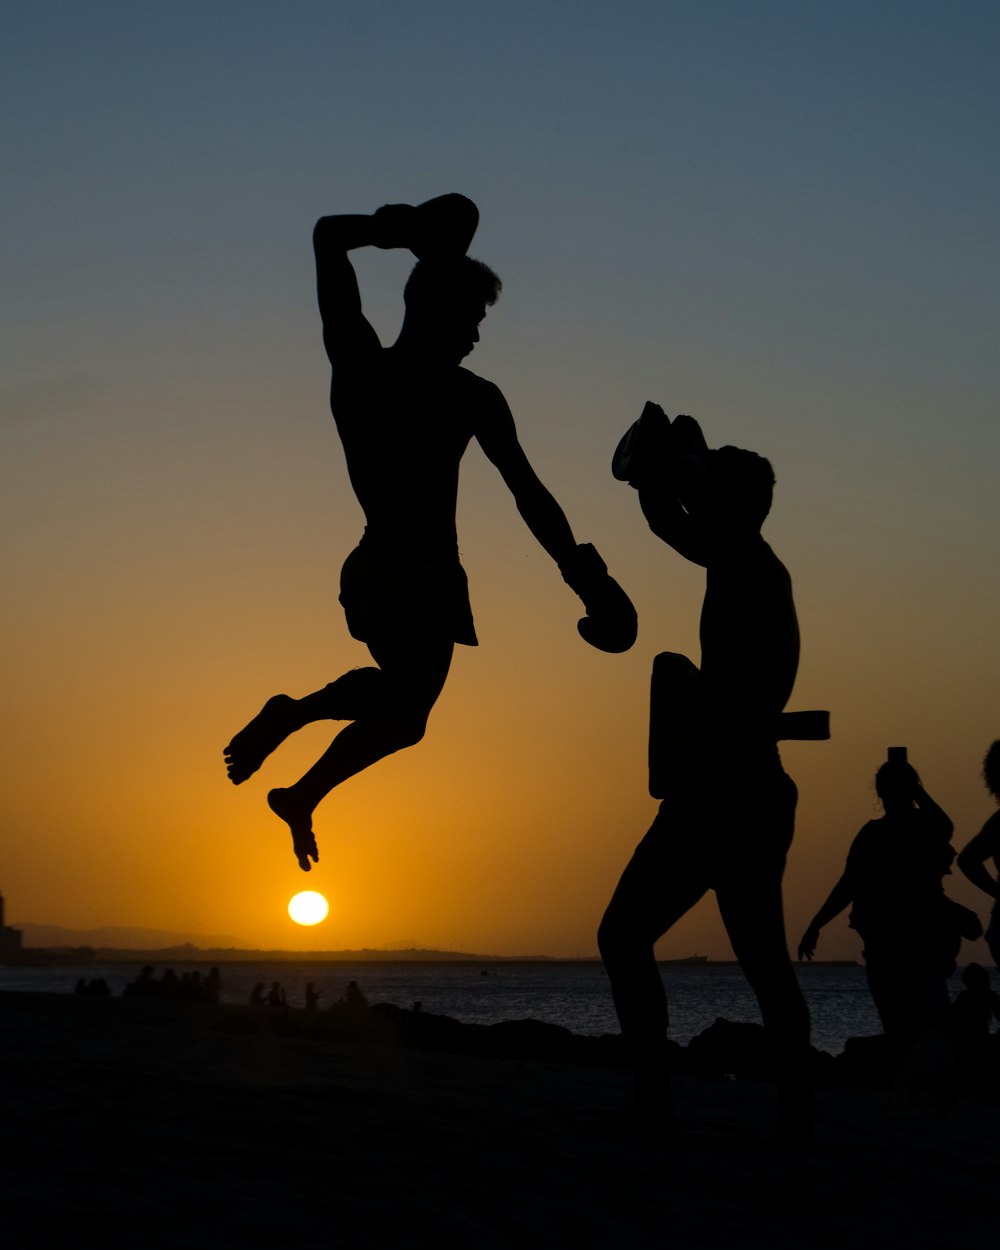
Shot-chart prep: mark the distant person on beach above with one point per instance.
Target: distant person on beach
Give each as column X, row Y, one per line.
column 893, row 883
column 354, row 996
column 276, row 996
column 144, row 985
column 312, row 996
column 190, row 986
column 257, row 995
column 728, row 810
column 976, row 1007
column 211, row 987
column 405, row 415
column 96, row 988
column 986, row 845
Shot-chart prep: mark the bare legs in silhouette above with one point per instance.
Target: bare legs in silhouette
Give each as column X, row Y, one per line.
column 728, row 813
column 388, row 707
column 738, row 850
column 405, row 416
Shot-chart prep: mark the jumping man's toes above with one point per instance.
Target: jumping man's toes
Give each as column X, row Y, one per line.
column 299, row 822
column 257, row 739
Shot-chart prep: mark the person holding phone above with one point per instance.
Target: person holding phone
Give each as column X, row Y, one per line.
column 893, row 883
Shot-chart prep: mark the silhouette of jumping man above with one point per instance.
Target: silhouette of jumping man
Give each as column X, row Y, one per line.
column 728, row 810
column 405, row 415
column 893, row 883
column 986, row 845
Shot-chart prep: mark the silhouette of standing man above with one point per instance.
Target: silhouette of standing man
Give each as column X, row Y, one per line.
column 405, row 415
column 728, row 810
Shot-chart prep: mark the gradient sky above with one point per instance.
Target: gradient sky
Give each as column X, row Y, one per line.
column 781, row 217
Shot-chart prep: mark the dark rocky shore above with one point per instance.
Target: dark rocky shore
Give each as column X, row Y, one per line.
column 171, row 1125
column 735, row 1050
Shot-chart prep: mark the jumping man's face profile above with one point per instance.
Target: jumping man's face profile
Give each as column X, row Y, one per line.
column 455, row 331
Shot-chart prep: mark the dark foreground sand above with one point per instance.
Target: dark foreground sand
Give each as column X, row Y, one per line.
column 145, row 1125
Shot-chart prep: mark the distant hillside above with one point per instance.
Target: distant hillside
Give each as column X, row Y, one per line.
column 123, row 938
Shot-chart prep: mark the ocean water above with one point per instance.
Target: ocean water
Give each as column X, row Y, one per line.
column 575, row 995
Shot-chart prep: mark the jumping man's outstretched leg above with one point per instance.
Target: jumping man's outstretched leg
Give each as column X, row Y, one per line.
column 354, row 694
column 256, row 740
column 412, row 672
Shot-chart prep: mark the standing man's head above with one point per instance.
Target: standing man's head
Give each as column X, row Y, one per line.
column 745, row 480
column 446, row 299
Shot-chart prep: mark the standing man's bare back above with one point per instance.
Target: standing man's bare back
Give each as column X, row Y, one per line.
column 406, row 415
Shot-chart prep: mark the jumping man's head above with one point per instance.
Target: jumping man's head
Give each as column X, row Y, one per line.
column 445, row 302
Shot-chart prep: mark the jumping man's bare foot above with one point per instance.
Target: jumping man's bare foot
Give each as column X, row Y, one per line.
column 255, row 742
column 300, row 822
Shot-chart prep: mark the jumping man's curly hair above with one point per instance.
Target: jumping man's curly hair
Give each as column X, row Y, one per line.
column 436, row 282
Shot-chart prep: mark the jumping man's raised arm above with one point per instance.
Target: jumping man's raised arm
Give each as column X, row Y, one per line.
column 345, row 329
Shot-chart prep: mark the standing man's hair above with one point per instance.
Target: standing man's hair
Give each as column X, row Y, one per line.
column 746, row 479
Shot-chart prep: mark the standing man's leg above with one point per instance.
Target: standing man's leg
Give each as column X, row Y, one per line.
column 752, row 909
column 662, row 881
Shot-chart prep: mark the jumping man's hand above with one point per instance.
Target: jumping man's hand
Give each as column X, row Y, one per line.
column 611, row 623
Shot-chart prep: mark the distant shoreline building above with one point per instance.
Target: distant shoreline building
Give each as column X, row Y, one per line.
column 10, row 939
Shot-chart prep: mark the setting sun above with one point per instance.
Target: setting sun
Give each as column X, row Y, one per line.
column 308, row 907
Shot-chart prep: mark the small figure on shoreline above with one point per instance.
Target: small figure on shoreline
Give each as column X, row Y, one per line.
column 354, row 996
column 96, row 987
column 190, row 986
column 975, row 1007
